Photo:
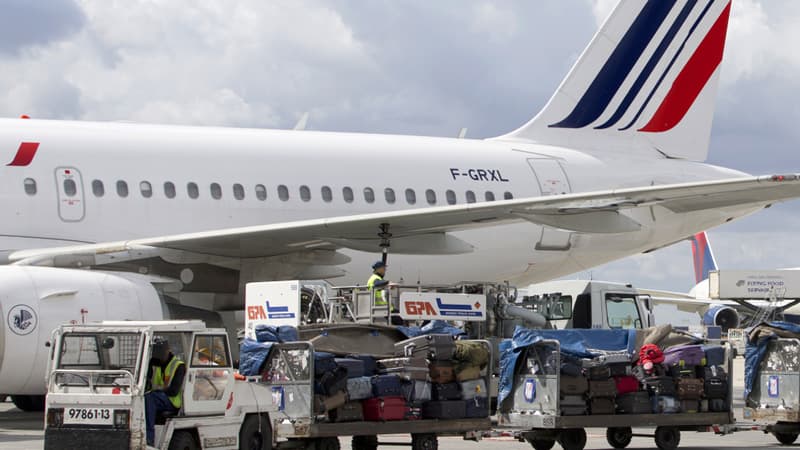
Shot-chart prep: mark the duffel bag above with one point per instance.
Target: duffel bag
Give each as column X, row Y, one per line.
column 472, row 352
column 466, row 372
column 684, row 355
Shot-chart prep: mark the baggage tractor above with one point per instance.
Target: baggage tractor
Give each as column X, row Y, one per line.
column 349, row 412
column 684, row 355
column 665, row 404
column 355, row 367
column 449, row 391
column 416, row 391
column 661, row 385
column 359, row 388
column 477, row 407
column 626, row 384
column 466, row 372
column 573, row 405
column 603, row 388
column 323, row 403
column 690, row 406
column 385, row 408
column 474, row 388
column 438, row 347
column 332, row 381
column 472, row 352
column 387, row 386
column 441, row 372
column 634, row 403
column 689, row 388
column 573, row 385
column 444, row 409
column 714, row 354
column 602, row 405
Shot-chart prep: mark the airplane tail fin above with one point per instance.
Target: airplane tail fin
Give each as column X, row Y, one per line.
column 702, row 256
column 647, row 82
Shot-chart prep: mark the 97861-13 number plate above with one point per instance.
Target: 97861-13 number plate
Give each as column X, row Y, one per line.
column 88, row 416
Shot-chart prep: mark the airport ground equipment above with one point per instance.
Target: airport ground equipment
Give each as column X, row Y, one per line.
column 537, row 397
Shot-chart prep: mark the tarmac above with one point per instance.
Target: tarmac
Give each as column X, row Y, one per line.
column 22, row 431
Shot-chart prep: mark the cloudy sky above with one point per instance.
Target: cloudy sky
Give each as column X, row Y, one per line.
column 394, row 66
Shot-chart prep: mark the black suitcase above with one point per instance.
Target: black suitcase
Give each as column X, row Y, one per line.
column 573, row 405
column 573, row 385
column 477, row 407
column 603, row 388
column 690, row 406
column 683, row 371
column 387, row 386
column 715, row 388
column 349, row 412
column 370, row 364
column 717, row 405
column 602, row 405
column 439, row 347
column 444, row 409
column 332, row 381
column 712, row 372
column 355, row 367
column 449, row 391
column 634, row 403
column 661, row 385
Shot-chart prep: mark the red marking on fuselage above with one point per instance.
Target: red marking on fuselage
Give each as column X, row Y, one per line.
column 25, row 154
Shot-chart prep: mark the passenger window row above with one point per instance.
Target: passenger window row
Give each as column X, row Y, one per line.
column 215, row 190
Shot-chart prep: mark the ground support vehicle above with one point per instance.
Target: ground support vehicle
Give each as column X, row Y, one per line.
column 534, row 409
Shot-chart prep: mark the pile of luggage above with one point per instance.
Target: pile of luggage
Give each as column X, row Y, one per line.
column 679, row 379
column 431, row 377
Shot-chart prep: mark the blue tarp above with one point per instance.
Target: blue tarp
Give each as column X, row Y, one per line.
column 755, row 351
column 271, row 333
column 433, row 327
column 581, row 343
column 252, row 355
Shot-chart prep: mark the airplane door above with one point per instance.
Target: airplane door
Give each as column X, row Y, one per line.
column 209, row 375
column 69, row 186
column 552, row 181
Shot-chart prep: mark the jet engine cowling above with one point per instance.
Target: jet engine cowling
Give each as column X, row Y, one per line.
column 723, row 316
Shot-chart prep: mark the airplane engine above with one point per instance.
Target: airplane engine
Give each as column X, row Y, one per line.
column 723, row 316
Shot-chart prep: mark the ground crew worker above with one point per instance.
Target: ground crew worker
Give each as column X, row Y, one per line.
column 377, row 284
column 165, row 376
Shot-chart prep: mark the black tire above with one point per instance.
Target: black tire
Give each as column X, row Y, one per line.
column 542, row 444
column 364, row 443
column 328, row 443
column 424, row 441
column 183, row 440
column 785, row 438
column 255, row 434
column 619, row 437
column 29, row 403
column 668, row 438
column 572, row 439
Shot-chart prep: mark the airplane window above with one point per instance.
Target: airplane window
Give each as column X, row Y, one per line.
column 146, row 188
column 216, row 191
column 30, row 186
column 489, row 196
column 192, row 190
column 238, row 191
column 347, row 194
column 70, row 188
column 169, row 189
column 411, row 196
column 283, row 193
column 389, row 193
column 369, row 195
column 327, row 194
column 451, row 197
column 430, row 196
column 98, row 189
column 470, row 197
column 122, row 188
column 305, row 193
column 508, row 195
column 261, row 192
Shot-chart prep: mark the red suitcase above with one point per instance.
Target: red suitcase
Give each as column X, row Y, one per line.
column 381, row 409
column 626, row 384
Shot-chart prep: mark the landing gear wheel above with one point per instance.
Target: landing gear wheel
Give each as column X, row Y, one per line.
column 364, row 443
column 255, row 434
column 182, row 440
column 786, row 438
column 424, row 442
column 29, row 403
column 542, row 444
column 619, row 437
column 572, row 439
column 328, row 443
column 668, row 438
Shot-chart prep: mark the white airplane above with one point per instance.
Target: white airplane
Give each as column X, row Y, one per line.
column 174, row 220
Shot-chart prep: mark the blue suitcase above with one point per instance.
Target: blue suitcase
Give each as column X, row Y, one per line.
column 355, row 367
column 387, row 386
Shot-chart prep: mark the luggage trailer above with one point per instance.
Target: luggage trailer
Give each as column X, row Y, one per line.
column 534, row 415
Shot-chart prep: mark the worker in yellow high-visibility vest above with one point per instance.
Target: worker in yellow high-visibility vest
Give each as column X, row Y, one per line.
column 377, row 284
column 165, row 376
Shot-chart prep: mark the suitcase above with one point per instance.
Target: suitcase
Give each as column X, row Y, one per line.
column 665, row 404
column 634, row 403
column 717, row 405
column 323, row 362
column 473, row 388
column 406, row 368
column 715, row 388
column 683, row 371
column 689, row 388
column 359, row 388
column 573, row 385
column 612, row 364
column 598, row 372
column 332, row 381
column 704, row 405
column 370, row 364
column 602, row 405
column 449, row 391
column 387, row 386
column 430, row 346
column 684, row 355
column 349, row 412
column 573, row 405
column 472, row 352
column 713, row 372
column 715, row 355
column 603, row 388
column 355, row 367
column 662, row 385
column 476, row 407
column 416, row 391
column 690, row 406
column 626, row 384
column 324, row 403
column 571, row 365
column 413, row 412
column 380, row 409
column 444, row 409
column 466, row 372
column 441, row 372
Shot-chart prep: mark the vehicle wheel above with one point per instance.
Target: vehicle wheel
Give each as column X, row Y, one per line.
column 256, row 433
column 424, row 442
column 29, row 403
column 786, row 438
column 182, row 440
column 572, row 439
column 364, row 443
column 542, row 444
column 619, row 437
column 668, row 438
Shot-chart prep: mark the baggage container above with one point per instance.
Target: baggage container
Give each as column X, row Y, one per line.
column 684, row 355
column 449, row 391
column 441, row 372
column 438, row 347
column 359, row 388
column 444, row 409
column 474, row 388
column 634, row 403
column 387, row 386
column 354, row 367
column 385, row 408
column 349, row 412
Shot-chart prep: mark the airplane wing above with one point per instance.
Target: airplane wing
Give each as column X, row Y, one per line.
column 426, row 230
